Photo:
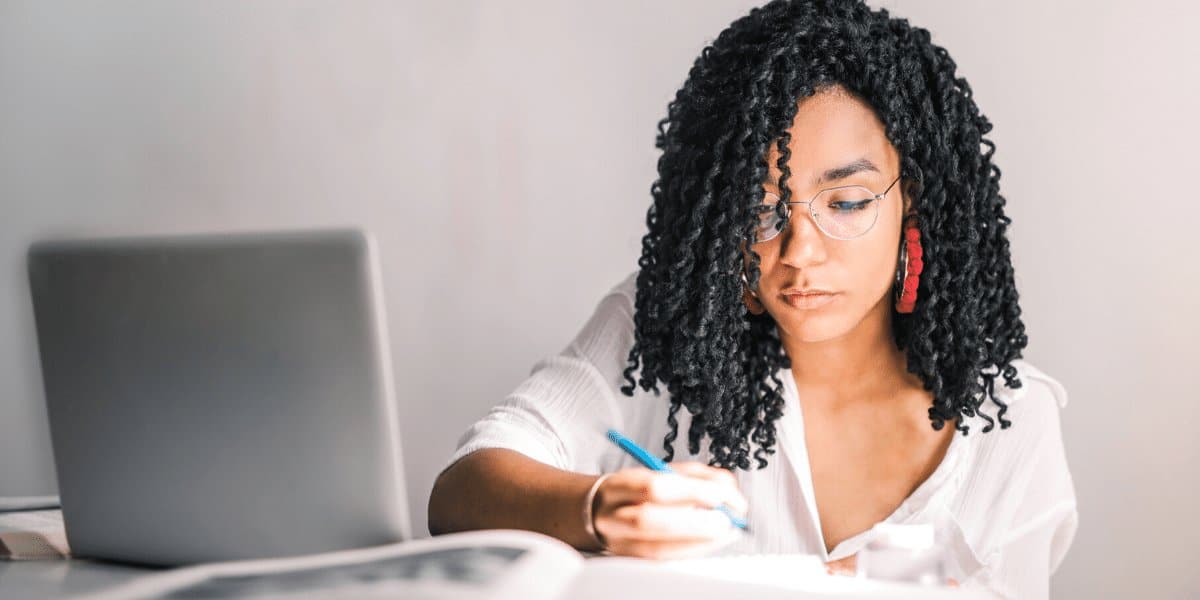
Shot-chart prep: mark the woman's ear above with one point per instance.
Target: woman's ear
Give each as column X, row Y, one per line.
column 908, row 189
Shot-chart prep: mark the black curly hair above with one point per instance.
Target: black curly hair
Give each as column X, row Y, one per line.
column 692, row 330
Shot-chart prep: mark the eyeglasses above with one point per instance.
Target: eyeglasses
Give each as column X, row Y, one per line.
column 842, row 213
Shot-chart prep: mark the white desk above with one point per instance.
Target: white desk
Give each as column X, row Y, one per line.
column 67, row 578
column 60, row 578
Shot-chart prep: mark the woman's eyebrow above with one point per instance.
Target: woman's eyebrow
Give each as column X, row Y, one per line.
column 844, row 171
column 836, row 173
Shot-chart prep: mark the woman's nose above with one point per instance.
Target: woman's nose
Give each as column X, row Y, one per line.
column 803, row 241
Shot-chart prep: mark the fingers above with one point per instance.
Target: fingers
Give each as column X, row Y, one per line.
column 848, row 566
column 657, row 522
column 842, row 566
column 722, row 477
column 660, row 550
column 707, row 488
column 646, row 513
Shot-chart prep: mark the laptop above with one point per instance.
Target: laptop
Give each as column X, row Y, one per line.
column 219, row 397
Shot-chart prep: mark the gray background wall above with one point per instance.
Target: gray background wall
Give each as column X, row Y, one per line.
column 502, row 152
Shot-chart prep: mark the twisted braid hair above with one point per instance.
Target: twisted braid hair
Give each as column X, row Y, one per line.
column 692, row 331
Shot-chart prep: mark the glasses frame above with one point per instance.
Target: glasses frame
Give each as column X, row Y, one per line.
column 812, row 214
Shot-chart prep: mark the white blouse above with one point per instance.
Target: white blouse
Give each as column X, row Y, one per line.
column 1002, row 503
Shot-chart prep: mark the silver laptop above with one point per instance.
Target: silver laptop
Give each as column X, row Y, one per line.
column 219, row 397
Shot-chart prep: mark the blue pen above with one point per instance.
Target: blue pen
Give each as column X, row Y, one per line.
column 654, row 463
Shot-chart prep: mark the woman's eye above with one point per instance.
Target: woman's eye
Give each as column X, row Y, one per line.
column 850, row 206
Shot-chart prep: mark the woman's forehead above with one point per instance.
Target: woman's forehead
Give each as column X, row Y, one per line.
column 830, row 131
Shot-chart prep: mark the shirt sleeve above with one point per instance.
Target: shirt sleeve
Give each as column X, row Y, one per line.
column 1044, row 522
column 559, row 414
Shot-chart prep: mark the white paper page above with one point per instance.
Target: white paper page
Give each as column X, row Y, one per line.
column 480, row 564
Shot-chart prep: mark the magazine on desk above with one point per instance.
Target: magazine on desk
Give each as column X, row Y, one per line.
column 504, row 564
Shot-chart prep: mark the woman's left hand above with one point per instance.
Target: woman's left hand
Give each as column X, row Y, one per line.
column 842, row 566
column 849, row 566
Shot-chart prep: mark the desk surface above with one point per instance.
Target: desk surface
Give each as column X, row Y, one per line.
column 67, row 578
column 59, row 578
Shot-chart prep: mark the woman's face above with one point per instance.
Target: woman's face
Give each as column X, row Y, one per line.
column 832, row 129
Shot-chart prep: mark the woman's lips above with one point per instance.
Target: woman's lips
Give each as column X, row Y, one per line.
column 809, row 301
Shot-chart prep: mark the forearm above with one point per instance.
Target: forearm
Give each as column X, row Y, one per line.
column 502, row 489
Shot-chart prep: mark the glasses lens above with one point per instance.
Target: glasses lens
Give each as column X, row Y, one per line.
column 845, row 212
column 771, row 218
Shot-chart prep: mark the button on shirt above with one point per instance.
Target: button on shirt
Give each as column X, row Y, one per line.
column 1002, row 503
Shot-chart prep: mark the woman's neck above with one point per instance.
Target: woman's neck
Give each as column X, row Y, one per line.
column 861, row 365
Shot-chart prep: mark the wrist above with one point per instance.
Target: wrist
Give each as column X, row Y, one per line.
column 589, row 514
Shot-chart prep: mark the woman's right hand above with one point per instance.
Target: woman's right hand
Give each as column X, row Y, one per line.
column 645, row 513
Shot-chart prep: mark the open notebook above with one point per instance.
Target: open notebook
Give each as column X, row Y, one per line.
column 505, row 564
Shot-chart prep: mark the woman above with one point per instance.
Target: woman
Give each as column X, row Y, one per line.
column 825, row 284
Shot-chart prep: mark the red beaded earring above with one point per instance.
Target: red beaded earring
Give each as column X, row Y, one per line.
column 909, row 270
